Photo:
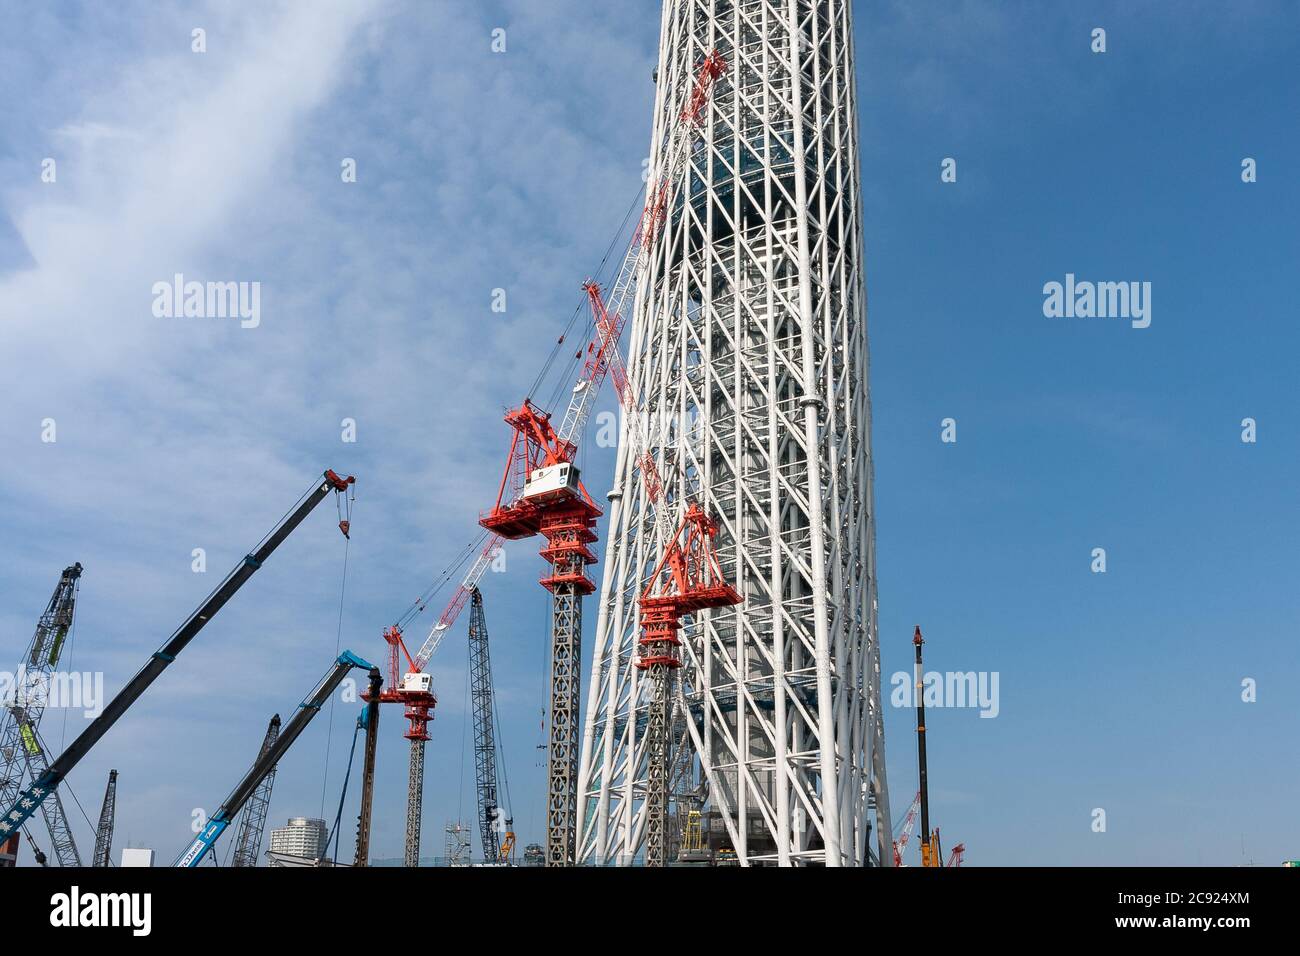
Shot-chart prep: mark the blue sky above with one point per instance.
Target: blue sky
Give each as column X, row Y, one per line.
column 479, row 171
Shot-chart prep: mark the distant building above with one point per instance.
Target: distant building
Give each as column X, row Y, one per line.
column 137, row 856
column 303, row 836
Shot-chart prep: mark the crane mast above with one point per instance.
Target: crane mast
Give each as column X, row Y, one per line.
column 252, row 822
column 17, row 811
column 107, row 818
column 371, row 717
column 20, row 747
column 485, row 745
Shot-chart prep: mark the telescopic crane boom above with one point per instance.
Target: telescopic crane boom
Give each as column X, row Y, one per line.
column 929, row 853
column 267, row 760
column 31, row 799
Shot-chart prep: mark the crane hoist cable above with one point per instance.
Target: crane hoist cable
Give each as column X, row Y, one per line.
column 345, row 525
column 632, row 210
column 501, row 753
column 64, row 787
column 470, row 551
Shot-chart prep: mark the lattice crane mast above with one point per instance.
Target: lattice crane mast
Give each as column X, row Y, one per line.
column 541, row 492
column 20, row 747
column 252, row 819
column 107, row 820
column 490, row 820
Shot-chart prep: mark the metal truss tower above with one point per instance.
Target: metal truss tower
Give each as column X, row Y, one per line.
column 485, row 747
column 107, row 818
column 20, row 717
column 748, row 356
column 252, row 823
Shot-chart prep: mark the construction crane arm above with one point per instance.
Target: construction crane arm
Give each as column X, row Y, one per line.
column 905, row 834
column 30, row 799
column 457, row 603
column 266, row 761
column 602, row 353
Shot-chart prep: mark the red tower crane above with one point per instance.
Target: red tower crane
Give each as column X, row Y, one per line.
column 687, row 580
column 413, row 688
column 541, row 491
column 909, row 824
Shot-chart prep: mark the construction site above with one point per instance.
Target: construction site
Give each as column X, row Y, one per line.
column 445, row 437
column 732, row 709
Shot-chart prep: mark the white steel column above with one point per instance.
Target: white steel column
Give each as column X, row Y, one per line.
column 748, row 351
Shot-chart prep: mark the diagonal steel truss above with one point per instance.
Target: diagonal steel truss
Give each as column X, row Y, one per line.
column 748, row 352
column 21, row 712
column 252, row 821
column 485, row 747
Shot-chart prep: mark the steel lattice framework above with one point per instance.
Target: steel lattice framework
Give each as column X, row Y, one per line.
column 21, row 713
column 252, row 823
column 485, row 746
column 748, row 357
column 107, row 820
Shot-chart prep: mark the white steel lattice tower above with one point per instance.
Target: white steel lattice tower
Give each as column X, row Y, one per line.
column 748, row 357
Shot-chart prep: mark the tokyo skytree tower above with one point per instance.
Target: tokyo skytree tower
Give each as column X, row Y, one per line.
column 748, row 358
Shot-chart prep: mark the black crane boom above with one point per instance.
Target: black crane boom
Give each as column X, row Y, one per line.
column 30, row 799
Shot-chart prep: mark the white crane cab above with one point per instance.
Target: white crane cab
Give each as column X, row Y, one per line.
column 418, row 683
column 552, row 482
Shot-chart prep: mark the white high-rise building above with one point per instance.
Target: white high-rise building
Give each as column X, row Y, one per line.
column 137, row 856
column 302, row 836
column 748, row 354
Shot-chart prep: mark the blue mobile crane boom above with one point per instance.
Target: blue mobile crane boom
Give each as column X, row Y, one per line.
column 267, row 760
column 31, row 799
